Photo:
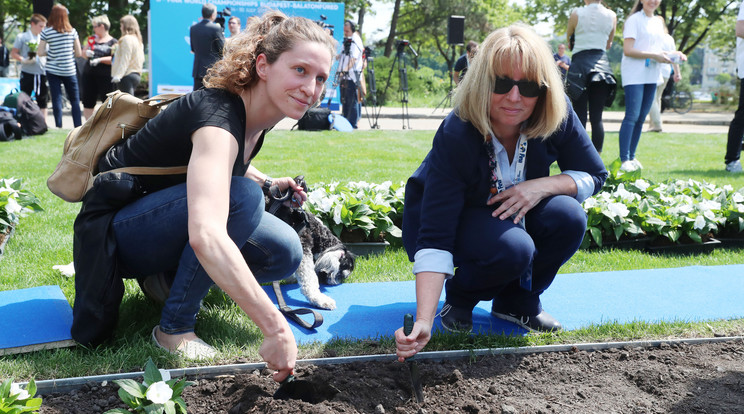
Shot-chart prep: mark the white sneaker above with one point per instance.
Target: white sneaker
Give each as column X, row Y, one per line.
column 637, row 164
column 734, row 166
column 628, row 166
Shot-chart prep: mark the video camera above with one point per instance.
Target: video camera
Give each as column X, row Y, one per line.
column 323, row 25
column 401, row 44
column 369, row 53
column 347, row 45
column 221, row 17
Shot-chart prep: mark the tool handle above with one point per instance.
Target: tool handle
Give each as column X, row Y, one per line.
column 407, row 324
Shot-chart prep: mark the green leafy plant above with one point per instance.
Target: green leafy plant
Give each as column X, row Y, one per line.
column 32, row 46
column 16, row 400
column 374, row 210
column 155, row 394
column 630, row 207
column 15, row 202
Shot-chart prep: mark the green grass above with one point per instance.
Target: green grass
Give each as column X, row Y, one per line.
column 45, row 239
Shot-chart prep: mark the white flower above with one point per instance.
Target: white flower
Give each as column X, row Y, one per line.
column 590, row 202
column 642, row 185
column 16, row 389
column 618, row 209
column 159, row 392
column 699, row 223
column 13, row 207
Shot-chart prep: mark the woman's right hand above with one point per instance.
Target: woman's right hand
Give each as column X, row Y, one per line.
column 661, row 57
column 279, row 351
column 412, row 344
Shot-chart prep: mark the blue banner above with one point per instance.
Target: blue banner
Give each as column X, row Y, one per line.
column 170, row 56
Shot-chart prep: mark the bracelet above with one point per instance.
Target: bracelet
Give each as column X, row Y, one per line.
column 268, row 182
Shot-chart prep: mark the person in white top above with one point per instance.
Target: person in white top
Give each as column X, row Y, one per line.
column 736, row 129
column 642, row 54
column 590, row 82
column 129, row 57
column 350, row 66
column 654, row 121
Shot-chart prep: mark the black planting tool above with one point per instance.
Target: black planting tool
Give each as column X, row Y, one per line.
column 418, row 391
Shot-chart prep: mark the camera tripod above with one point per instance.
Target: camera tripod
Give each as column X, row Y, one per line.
column 345, row 78
column 371, row 91
column 400, row 58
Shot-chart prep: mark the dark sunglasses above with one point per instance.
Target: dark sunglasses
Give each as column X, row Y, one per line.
column 528, row 89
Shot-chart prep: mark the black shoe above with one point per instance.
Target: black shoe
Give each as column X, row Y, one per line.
column 457, row 320
column 542, row 322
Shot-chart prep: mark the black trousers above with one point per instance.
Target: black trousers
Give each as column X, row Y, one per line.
column 736, row 133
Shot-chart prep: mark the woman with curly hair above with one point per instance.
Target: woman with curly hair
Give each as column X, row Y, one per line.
column 209, row 226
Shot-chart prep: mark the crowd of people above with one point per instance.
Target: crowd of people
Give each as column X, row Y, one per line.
column 50, row 54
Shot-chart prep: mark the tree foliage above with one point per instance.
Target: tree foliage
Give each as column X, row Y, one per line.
column 689, row 22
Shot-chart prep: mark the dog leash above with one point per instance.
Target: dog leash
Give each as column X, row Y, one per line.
column 293, row 314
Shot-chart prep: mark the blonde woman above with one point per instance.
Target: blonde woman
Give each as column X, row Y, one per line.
column 97, row 70
column 129, row 57
column 483, row 200
column 209, row 225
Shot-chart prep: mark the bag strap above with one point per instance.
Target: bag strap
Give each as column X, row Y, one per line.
column 293, row 313
column 150, row 170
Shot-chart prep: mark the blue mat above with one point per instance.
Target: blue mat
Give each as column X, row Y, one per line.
column 34, row 318
column 695, row 293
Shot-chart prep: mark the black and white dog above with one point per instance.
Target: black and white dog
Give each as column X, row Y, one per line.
column 325, row 260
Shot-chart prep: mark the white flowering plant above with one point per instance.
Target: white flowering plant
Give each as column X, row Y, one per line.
column 15, row 202
column 157, row 394
column 629, row 207
column 374, row 210
column 17, row 400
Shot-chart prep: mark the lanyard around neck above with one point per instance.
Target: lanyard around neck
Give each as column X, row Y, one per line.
column 497, row 183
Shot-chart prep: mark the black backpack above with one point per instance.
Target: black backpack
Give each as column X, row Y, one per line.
column 9, row 128
column 315, row 119
column 30, row 116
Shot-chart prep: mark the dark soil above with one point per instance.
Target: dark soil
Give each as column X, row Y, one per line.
column 706, row 378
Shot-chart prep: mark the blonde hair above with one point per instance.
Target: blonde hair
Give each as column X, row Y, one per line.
column 102, row 19
column 500, row 51
column 130, row 26
column 272, row 34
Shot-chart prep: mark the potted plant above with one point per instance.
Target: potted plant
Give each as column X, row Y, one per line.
column 363, row 215
column 32, row 49
column 15, row 202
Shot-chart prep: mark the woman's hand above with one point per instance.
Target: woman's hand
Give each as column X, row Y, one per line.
column 279, row 350
column 412, row 344
column 518, row 200
column 662, row 57
column 284, row 183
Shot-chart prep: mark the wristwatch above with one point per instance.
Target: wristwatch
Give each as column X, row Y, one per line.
column 267, row 183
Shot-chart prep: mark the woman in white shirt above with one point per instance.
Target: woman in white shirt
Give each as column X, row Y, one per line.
column 129, row 57
column 589, row 81
column 642, row 54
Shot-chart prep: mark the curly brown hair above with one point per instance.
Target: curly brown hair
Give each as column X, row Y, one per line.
column 272, row 34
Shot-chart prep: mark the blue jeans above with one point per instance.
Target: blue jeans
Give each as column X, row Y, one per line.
column 152, row 236
column 73, row 94
column 638, row 101
column 349, row 103
column 492, row 255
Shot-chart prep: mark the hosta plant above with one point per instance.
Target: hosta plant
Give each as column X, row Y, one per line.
column 376, row 210
column 155, row 395
column 15, row 202
column 17, row 400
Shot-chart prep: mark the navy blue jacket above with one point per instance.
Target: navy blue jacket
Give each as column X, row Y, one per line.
column 455, row 175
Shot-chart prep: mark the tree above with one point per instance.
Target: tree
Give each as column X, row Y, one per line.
column 20, row 10
column 688, row 21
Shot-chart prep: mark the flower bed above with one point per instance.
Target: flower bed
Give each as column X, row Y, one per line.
column 629, row 212
column 15, row 202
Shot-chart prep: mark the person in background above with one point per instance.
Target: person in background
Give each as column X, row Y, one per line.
column 130, row 56
column 4, row 59
column 33, row 74
column 233, row 25
column 736, row 128
column 589, row 81
column 99, row 49
column 64, row 47
column 643, row 34
column 217, row 231
column 207, row 41
column 350, row 64
column 483, row 215
column 562, row 60
column 667, row 71
column 462, row 64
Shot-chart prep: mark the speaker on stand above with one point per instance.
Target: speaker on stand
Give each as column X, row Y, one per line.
column 455, row 37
